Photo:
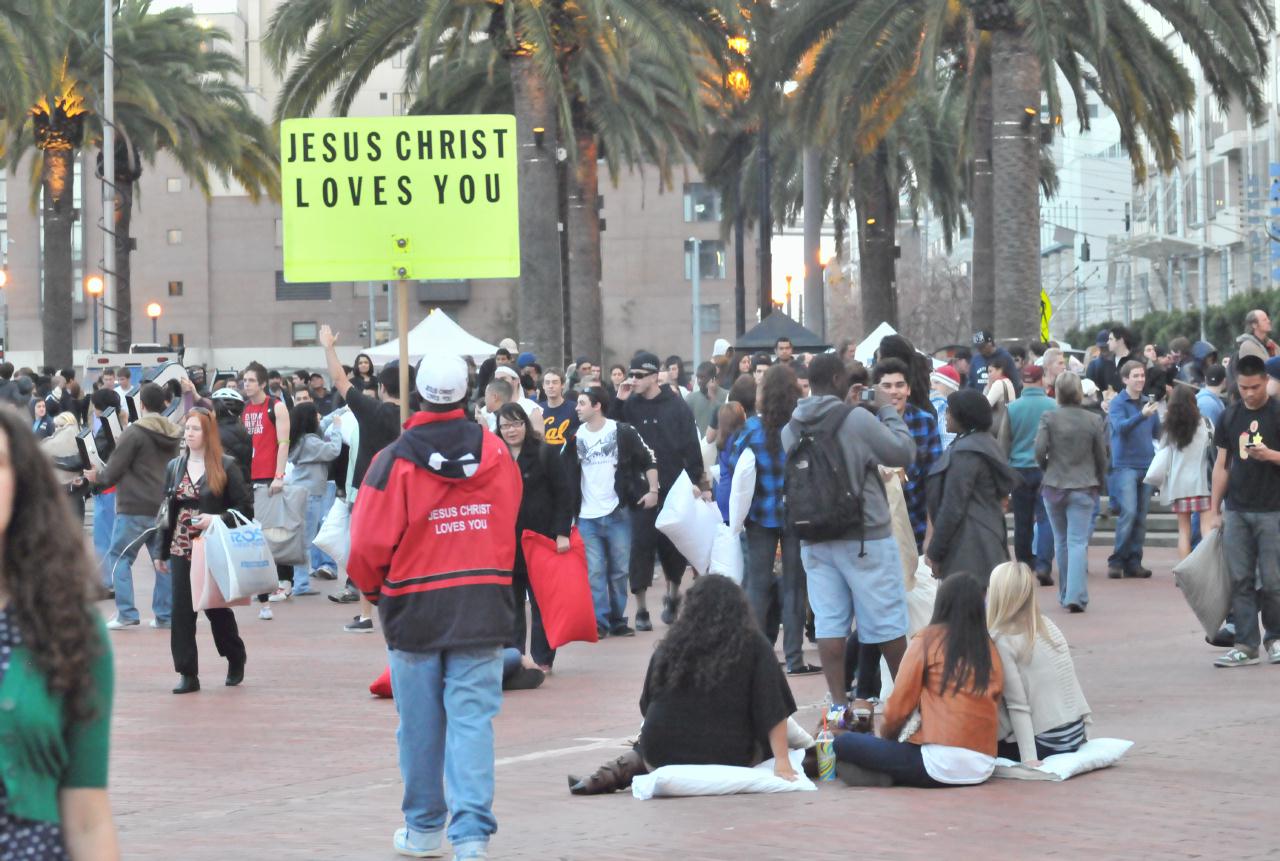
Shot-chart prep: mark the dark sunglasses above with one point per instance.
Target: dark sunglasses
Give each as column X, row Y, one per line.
column 640, row 375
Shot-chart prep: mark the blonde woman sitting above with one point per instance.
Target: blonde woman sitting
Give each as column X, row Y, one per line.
column 1043, row 711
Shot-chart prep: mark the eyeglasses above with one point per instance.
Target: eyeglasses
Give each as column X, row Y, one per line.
column 640, row 375
column 504, row 426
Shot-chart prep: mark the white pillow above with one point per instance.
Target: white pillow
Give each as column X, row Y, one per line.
column 1096, row 753
column 685, row 780
column 726, row 554
column 690, row 523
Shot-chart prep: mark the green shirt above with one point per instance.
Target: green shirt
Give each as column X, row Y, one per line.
column 41, row 752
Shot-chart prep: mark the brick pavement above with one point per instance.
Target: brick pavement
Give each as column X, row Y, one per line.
column 299, row 762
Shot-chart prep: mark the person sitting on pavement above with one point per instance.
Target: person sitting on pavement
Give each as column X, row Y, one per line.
column 966, row 490
column 1043, row 711
column 952, row 674
column 713, row 694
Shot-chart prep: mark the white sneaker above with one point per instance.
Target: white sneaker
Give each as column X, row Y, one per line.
column 265, row 613
column 1273, row 652
column 281, row 594
column 156, row 623
column 419, row 844
column 117, row 625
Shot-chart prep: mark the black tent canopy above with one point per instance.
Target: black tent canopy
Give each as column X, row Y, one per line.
column 765, row 335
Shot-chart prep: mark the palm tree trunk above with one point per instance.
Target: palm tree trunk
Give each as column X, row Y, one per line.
column 1015, row 84
column 57, row 179
column 586, row 312
column 877, row 225
column 540, row 302
column 984, row 275
column 124, row 267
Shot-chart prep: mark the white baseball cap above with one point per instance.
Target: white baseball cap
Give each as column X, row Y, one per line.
column 442, row 378
column 509, row 345
column 720, row 348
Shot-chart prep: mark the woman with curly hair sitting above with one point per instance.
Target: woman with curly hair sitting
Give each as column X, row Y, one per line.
column 713, row 694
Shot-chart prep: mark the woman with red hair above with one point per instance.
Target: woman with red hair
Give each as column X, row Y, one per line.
column 201, row 484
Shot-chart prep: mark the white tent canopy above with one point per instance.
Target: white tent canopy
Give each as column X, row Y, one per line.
column 866, row 351
column 436, row 333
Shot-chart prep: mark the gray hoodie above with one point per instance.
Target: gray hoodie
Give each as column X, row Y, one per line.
column 868, row 441
column 311, row 457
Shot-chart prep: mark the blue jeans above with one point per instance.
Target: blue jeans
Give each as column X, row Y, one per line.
column 104, row 521
column 903, row 761
column 447, row 701
column 316, row 511
column 125, row 544
column 1072, row 519
column 608, row 544
column 1032, row 541
column 1134, row 498
column 787, row 592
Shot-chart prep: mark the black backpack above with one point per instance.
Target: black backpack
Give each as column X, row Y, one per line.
column 819, row 499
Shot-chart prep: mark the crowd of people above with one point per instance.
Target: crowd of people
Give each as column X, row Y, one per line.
column 835, row 476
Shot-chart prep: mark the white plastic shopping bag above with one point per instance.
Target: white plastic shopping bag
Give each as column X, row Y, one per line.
column 239, row 559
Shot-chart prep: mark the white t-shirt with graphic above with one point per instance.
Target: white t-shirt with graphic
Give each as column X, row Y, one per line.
column 598, row 457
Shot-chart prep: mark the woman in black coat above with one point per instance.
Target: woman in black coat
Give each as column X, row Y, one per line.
column 200, row 486
column 966, row 490
column 545, row 508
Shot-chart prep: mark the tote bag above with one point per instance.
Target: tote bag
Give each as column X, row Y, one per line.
column 282, row 517
column 334, row 536
column 239, row 559
column 1206, row 583
column 559, row 582
column 205, row 594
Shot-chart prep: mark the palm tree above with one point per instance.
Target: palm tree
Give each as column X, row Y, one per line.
column 1099, row 46
column 175, row 92
column 21, row 52
column 337, row 43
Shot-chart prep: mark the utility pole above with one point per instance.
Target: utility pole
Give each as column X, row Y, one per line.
column 108, row 158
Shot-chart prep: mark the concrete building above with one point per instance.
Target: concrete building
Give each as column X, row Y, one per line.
column 214, row 263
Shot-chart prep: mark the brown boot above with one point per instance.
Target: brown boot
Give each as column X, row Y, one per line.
column 610, row 777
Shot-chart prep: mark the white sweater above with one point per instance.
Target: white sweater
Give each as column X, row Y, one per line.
column 1041, row 693
column 1188, row 475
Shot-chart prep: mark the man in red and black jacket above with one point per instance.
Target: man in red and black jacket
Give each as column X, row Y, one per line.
column 432, row 544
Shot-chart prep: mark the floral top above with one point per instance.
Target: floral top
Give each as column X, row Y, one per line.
column 22, row 839
column 187, row 500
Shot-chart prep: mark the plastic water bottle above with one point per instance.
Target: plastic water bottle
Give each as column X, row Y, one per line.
column 826, row 743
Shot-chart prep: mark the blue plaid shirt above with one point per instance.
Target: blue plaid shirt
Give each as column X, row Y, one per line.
column 766, row 504
column 924, row 430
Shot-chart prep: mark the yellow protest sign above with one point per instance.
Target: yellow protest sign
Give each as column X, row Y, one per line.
column 1046, row 314
column 393, row 198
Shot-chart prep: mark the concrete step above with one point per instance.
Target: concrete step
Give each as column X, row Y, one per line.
column 1156, row 523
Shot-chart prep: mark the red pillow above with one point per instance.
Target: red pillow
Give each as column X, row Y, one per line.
column 382, row 686
column 560, row 584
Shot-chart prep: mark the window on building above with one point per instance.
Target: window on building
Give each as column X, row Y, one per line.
column 174, row 184
column 322, row 290
column 711, row 260
column 306, row 334
column 1191, row 199
column 173, row 236
column 175, row 288
column 701, row 202
column 709, row 319
column 1091, row 109
column 1171, row 220
column 400, row 103
column 1139, row 205
column 1217, row 188
column 177, row 341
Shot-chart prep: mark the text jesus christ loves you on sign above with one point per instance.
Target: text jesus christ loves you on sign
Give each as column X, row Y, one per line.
column 408, row 198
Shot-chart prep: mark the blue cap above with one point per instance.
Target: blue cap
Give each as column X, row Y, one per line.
column 525, row 360
column 1273, row 367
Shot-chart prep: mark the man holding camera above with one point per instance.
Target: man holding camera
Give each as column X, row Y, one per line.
column 1134, row 427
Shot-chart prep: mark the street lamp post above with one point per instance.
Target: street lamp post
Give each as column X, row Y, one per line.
column 4, row 306
column 93, row 285
column 697, row 300
column 154, row 311
column 788, row 279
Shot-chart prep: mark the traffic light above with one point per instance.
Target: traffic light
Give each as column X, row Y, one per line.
column 364, row 329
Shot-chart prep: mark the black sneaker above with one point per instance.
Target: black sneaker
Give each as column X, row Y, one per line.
column 623, row 630
column 642, row 621
column 601, row 632
column 359, row 626
column 1115, row 573
column 1138, row 573
column 1044, row 578
column 346, row 596
column 670, row 606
